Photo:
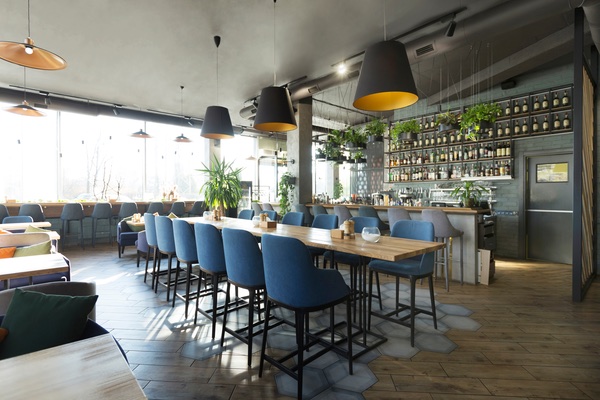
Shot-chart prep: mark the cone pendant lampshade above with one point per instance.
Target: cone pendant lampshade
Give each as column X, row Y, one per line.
column 217, row 123
column 275, row 112
column 385, row 82
column 25, row 109
column 30, row 56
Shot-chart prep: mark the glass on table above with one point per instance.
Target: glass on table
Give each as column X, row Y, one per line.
column 371, row 234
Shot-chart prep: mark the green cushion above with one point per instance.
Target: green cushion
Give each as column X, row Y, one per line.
column 31, row 228
column 37, row 321
column 34, row 250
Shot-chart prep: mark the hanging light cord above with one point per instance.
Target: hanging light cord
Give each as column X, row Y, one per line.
column 24, row 84
column 28, row 19
column 384, row 23
column 274, row 44
column 181, row 100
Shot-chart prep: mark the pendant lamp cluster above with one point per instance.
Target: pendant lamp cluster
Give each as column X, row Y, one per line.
column 385, row 82
column 28, row 55
column 275, row 112
column 217, row 122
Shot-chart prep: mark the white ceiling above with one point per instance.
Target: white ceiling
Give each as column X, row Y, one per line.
column 137, row 53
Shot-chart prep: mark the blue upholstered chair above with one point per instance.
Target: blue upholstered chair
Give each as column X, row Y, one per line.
column 198, row 209
column 369, row 211
column 211, row 258
column 34, row 211
column 342, row 212
column 354, row 260
column 413, row 269
column 101, row 211
column 294, row 283
column 185, row 249
column 397, row 214
column 156, row 207
column 71, row 212
column 271, row 214
column 125, row 236
column 141, row 245
column 178, row 208
column 293, row 218
column 3, row 212
column 152, row 240
column 322, row 221
column 318, row 209
column 246, row 214
column 127, row 210
column 308, row 217
column 15, row 219
column 244, row 263
column 166, row 246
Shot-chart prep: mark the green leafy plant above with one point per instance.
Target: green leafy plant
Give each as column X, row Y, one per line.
column 335, row 138
column 448, row 118
column 338, row 190
column 286, row 190
column 332, row 152
column 471, row 119
column 320, row 153
column 223, row 189
column 404, row 130
column 469, row 193
column 359, row 157
column 355, row 137
column 375, row 130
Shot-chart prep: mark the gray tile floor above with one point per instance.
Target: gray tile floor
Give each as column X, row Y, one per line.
column 174, row 358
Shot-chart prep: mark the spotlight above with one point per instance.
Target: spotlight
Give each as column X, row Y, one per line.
column 342, row 68
column 450, row 29
column 116, row 111
column 189, row 121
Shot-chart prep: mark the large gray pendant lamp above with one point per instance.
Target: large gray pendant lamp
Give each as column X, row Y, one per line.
column 385, row 82
column 217, row 123
column 28, row 55
column 24, row 108
column 275, row 112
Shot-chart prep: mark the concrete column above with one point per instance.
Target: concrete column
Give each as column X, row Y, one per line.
column 299, row 149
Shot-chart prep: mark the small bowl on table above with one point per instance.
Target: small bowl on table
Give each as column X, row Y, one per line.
column 371, row 234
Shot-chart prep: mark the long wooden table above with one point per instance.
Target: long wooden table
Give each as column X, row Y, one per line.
column 388, row 249
column 23, row 267
column 88, row 369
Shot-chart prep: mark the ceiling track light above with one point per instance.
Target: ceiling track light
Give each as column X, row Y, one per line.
column 217, row 122
column 27, row 54
column 450, row 29
column 275, row 112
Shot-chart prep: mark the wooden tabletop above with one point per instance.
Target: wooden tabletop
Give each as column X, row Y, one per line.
column 388, row 248
column 88, row 369
column 23, row 225
column 23, row 267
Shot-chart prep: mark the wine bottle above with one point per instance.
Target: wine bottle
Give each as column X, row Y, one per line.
column 517, row 107
column 545, row 124
column 507, row 150
column 557, row 124
column 525, row 107
column 517, row 128
column 565, row 99
column 524, row 127
column 535, row 127
column 545, row 103
column 555, row 101
column 536, row 104
column 566, row 122
column 507, row 109
column 507, row 129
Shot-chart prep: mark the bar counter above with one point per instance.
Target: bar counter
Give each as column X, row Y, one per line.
column 464, row 219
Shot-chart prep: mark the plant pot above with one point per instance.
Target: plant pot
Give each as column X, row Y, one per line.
column 407, row 137
column 483, row 125
column 469, row 203
column 447, row 128
column 361, row 160
column 373, row 139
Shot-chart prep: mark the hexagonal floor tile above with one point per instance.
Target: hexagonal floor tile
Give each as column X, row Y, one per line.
column 435, row 343
column 453, row 309
column 462, row 323
column 361, row 379
column 314, row 383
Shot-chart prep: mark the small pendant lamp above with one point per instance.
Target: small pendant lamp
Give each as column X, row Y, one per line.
column 140, row 134
column 217, row 122
column 182, row 138
column 28, row 55
column 24, row 108
column 275, row 112
column 385, row 82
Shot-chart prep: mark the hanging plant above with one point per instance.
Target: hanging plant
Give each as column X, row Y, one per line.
column 336, row 138
column 447, row 121
column 359, row 157
column 375, row 130
column 405, row 131
column 476, row 117
column 355, row 138
column 320, row 154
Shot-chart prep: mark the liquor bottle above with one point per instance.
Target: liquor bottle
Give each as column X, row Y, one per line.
column 545, row 124
column 507, row 109
column 535, row 127
column 536, row 104
column 517, row 128
column 507, row 149
column 525, row 107
column 482, row 151
column 500, row 150
column 555, row 101
column 445, row 139
column 502, row 170
column 452, row 138
column 507, row 129
column 566, row 122
column 499, row 130
column 557, row 123
column 420, row 140
column 517, row 107
column 426, row 140
column 507, row 168
column 426, row 123
column 524, row 127
column 565, row 99
column 545, row 103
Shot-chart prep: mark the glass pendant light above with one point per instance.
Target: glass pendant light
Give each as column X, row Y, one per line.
column 28, row 55
column 275, row 112
column 217, row 122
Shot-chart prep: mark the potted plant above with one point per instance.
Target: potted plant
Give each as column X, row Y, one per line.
column 478, row 117
column 331, row 151
column 405, row 131
column 447, row 121
column 469, row 193
column 223, row 189
column 335, row 138
column 359, row 157
column 320, row 154
column 355, row 138
column 286, row 187
column 375, row 130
